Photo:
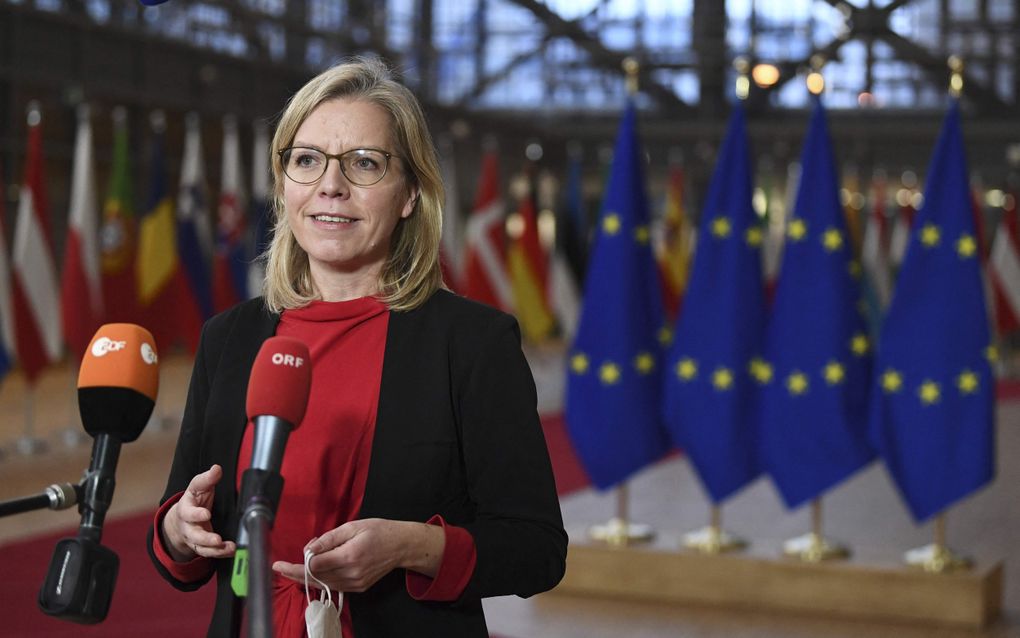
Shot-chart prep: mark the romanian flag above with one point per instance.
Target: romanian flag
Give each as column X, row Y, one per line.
column 932, row 408
column 157, row 267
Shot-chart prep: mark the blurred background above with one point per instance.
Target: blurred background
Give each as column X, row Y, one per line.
column 116, row 117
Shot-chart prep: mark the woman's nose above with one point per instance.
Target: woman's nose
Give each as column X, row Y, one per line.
column 333, row 182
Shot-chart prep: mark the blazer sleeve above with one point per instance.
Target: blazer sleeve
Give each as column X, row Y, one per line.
column 187, row 456
column 517, row 528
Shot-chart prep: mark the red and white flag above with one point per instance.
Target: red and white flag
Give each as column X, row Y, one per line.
column 230, row 259
column 36, row 296
column 1004, row 268
column 486, row 279
column 81, row 300
column 875, row 247
column 451, row 252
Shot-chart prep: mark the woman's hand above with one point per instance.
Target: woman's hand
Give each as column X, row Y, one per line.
column 186, row 527
column 354, row 556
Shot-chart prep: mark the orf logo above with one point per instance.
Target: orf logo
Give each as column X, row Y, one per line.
column 148, row 354
column 102, row 345
column 282, row 359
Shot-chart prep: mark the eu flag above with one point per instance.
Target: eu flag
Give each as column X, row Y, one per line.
column 708, row 389
column 612, row 402
column 932, row 407
column 816, row 371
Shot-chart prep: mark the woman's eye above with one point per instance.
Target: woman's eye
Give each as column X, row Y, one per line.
column 305, row 160
column 365, row 164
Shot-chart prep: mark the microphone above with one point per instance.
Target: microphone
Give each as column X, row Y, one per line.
column 58, row 496
column 117, row 386
column 278, row 389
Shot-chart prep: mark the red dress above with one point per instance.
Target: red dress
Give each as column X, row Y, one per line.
column 325, row 465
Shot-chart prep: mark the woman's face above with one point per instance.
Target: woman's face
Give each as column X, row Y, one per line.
column 345, row 228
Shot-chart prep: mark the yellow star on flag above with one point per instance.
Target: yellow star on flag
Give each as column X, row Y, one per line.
column 892, row 381
column 797, row 230
column 721, row 227
column 644, row 362
column 611, row 224
column 753, row 236
column 722, row 378
column 579, row 363
column 665, row 335
column 687, row 368
column 760, row 370
column 832, row 239
column 992, row 354
column 859, row 344
column 966, row 246
column 797, row 383
column 929, row 392
column 641, row 234
column 609, row 373
column 834, row 373
column 930, row 235
column 967, row 382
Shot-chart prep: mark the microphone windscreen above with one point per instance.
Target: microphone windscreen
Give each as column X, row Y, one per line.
column 118, row 381
column 121, row 355
column 280, row 380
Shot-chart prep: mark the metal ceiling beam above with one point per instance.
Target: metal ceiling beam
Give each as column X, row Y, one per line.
column 603, row 57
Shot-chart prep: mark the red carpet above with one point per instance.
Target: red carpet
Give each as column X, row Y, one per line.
column 143, row 603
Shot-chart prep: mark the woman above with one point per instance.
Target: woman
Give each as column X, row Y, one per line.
column 419, row 477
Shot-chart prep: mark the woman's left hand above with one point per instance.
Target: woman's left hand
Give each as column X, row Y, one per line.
column 354, row 556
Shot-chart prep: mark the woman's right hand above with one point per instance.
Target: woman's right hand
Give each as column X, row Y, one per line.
column 186, row 526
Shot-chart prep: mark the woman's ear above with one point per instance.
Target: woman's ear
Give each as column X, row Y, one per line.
column 412, row 201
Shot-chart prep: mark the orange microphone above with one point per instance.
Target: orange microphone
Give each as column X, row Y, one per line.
column 117, row 386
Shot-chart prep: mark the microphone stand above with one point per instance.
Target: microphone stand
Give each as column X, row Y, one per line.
column 258, row 520
column 58, row 496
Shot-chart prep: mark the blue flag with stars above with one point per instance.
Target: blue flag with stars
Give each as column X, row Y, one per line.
column 816, row 373
column 932, row 411
column 708, row 392
column 613, row 381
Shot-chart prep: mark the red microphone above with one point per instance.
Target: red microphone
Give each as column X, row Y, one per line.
column 277, row 398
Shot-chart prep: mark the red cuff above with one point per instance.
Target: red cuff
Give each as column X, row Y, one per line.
column 455, row 570
column 195, row 569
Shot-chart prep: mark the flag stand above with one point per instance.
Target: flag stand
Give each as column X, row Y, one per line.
column 713, row 539
column 29, row 444
column 618, row 531
column 813, row 547
column 73, row 435
column 936, row 557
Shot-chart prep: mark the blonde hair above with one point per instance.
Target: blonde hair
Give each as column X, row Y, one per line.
column 412, row 271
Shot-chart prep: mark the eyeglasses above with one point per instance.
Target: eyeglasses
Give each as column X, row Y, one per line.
column 361, row 166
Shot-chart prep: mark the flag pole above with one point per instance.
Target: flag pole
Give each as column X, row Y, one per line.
column 937, row 557
column 619, row 531
column 713, row 539
column 29, row 444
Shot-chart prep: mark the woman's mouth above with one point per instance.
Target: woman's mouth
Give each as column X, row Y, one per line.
column 333, row 219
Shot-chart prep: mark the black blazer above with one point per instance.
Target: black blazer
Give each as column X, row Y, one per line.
column 457, row 434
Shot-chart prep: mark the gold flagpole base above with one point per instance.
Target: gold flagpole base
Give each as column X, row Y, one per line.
column 814, row 548
column 713, row 540
column 937, row 559
column 620, row 533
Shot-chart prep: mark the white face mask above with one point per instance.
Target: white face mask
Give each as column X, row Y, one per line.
column 322, row 618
